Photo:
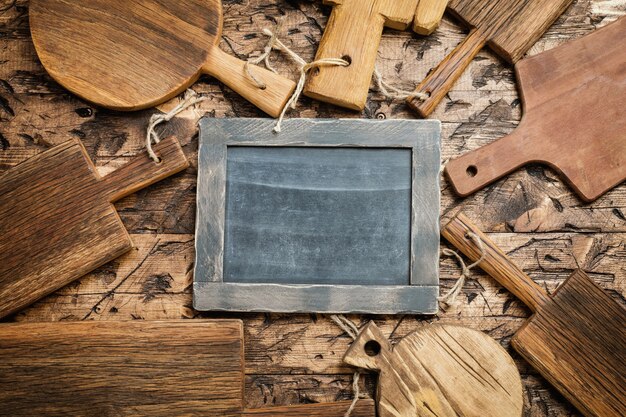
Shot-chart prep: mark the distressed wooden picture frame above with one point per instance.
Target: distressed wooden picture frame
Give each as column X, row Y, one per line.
column 418, row 296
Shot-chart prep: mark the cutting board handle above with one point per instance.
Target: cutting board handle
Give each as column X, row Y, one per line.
column 495, row 262
column 441, row 80
column 231, row 71
column 371, row 349
column 142, row 171
column 478, row 168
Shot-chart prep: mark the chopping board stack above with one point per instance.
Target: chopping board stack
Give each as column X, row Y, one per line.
column 58, row 221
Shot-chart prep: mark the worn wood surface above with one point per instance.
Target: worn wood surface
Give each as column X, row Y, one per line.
column 428, row 15
column 573, row 97
column 575, row 339
column 131, row 368
column 444, row 371
column 134, row 368
column 353, row 33
column 531, row 214
column 58, row 221
column 509, row 27
column 133, row 56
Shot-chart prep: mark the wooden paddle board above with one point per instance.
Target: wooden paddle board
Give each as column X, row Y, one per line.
column 353, row 33
column 509, row 27
column 134, row 368
column 133, row 55
column 428, row 15
column 574, row 98
column 58, row 221
column 576, row 337
column 443, row 371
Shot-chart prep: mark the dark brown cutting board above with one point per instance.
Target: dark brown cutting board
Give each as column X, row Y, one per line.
column 129, row 55
column 509, row 27
column 576, row 338
column 58, row 221
column 133, row 368
column 574, row 98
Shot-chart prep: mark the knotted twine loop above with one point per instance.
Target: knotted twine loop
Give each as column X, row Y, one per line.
column 386, row 89
column 450, row 299
column 351, row 330
column 189, row 99
column 394, row 93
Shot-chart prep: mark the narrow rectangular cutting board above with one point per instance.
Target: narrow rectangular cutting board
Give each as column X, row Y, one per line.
column 58, row 221
column 134, row 368
column 576, row 338
column 574, row 98
column 509, row 27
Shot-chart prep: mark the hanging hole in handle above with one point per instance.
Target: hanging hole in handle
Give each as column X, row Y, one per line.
column 315, row 71
column 471, row 171
column 372, row 348
column 159, row 160
column 347, row 58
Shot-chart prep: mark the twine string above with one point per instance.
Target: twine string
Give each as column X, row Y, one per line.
column 450, row 299
column 351, row 330
column 304, row 67
column 189, row 99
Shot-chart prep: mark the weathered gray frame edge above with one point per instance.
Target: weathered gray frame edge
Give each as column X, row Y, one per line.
column 211, row 293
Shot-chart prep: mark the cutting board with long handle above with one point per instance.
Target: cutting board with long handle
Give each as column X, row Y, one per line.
column 508, row 27
column 129, row 55
column 58, row 221
column 439, row 371
column 574, row 98
column 353, row 33
column 134, row 368
column 576, row 337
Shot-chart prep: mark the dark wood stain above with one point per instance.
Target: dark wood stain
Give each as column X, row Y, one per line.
column 57, row 219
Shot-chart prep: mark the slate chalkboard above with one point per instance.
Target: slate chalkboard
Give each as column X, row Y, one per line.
column 318, row 215
column 330, row 216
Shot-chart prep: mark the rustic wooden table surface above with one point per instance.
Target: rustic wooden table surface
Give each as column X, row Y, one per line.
column 538, row 221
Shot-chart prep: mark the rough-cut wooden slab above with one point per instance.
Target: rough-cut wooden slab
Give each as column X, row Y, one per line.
column 163, row 368
column 57, row 219
column 509, row 27
column 444, row 371
column 138, row 368
column 353, row 33
column 129, row 56
column 575, row 339
column 574, row 99
column 428, row 15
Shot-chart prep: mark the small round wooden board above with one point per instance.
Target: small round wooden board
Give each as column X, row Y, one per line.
column 130, row 55
column 440, row 371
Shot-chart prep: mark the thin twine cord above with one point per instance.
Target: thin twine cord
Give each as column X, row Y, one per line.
column 351, row 330
column 189, row 99
column 395, row 93
column 385, row 88
column 450, row 299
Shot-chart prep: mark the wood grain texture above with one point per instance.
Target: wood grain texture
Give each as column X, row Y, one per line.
column 583, row 139
column 57, row 219
column 353, row 33
column 428, row 16
column 363, row 408
column 139, row 368
column 509, row 27
column 126, row 368
column 439, row 371
column 575, row 339
column 297, row 358
column 130, row 57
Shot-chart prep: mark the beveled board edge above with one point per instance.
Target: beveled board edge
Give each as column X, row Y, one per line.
column 421, row 136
